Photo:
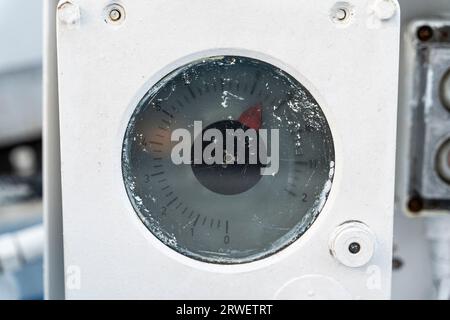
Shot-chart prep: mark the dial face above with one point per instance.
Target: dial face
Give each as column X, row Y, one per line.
column 228, row 159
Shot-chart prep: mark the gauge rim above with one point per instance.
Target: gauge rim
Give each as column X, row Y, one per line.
column 291, row 245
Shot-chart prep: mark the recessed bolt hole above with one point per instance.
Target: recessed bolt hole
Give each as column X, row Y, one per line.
column 354, row 248
column 397, row 263
column 425, row 33
column 415, row 205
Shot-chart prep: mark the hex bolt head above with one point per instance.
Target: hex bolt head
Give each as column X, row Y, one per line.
column 352, row 244
column 385, row 9
column 69, row 13
column 341, row 14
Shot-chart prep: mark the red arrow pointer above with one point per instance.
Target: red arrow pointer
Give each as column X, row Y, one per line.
column 252, row 117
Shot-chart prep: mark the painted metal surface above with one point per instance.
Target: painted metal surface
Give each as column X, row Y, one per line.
column 102, row 67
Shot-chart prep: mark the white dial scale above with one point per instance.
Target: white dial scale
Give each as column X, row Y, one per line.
column 227, row 149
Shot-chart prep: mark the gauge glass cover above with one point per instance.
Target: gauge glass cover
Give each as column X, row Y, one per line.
column 229, row 212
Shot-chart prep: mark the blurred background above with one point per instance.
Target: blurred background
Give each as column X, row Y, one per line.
column 20, row 147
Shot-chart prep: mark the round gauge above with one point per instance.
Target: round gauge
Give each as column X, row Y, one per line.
column 228, row 159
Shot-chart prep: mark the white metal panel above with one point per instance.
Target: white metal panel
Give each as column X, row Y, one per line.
column 102, row 69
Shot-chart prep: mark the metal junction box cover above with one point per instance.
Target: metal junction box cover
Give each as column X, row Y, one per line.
column 228, row 149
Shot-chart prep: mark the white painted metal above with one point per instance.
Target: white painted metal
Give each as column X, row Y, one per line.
column 350, row 67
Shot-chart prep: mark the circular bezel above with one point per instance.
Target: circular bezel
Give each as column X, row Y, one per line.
column 151, row 93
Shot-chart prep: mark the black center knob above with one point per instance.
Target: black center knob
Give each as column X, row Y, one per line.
column 229, row 177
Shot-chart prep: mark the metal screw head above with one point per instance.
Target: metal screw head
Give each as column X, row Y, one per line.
column 341, row 14
column 385, row 9
column 114, row 14
column 69, row 13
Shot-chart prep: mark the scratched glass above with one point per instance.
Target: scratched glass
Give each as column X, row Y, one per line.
column 228, row 213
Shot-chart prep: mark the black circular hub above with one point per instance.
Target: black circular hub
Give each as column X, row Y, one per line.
column 354, row 248
column 229, row 177
column 186, row 185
